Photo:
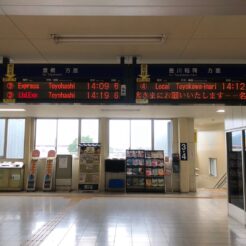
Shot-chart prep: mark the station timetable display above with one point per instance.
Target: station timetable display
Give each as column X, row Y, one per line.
column 161, row 92
column 68, row 91
column 182, row 85
column 124, row 84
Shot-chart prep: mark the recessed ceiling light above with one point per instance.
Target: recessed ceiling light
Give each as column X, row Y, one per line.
column 12, row 109
column 220, row 111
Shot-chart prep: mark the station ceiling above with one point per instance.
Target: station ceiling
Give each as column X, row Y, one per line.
column 208, row 31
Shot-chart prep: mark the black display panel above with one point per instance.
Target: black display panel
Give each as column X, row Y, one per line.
column 233, row 92
column 59, row 83
column 63, row 91
column 186, row 84
column 235, row 168
column 171, row 84
column 115, row 165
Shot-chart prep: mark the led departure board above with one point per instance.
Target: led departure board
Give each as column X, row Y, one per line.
column 64, row 84
column 124, row 83
column 62, row 91
column 191, row 92
column 188, row 84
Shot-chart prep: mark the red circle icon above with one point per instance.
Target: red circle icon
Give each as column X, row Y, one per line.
column 10, row 95
column 10, row 86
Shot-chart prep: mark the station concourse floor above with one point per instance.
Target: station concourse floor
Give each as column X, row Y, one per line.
column 87, row 219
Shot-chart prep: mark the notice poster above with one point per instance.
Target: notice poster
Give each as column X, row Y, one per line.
column 63, row 162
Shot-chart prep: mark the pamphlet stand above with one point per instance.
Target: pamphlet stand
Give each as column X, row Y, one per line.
column 48, row 171
column 89, row 166
column 32, row 175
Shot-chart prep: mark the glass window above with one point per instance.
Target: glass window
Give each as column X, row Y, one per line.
column 119, row 138
column 162, row 135
column 138, row 134
column 89, row 131
column 141, row 134
column 15, row 139
column 67, row 137
column 62, row 135
column 2, row 136
column 213, row 167
column 45, row 135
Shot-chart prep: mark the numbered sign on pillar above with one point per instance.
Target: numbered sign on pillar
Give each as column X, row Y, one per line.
column 183, row 151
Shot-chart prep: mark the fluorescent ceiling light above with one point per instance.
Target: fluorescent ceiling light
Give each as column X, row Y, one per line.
column 220, row 111
column 120, row 110
column 12, row 109
column 159, row 38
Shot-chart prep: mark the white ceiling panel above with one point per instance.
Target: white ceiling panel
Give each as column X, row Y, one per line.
column 74, row 51
column 130, row 111
column 145, row 10
column 222, row 27
column 8, row 30
column 216, row 48
column 190, row 37
column 17, row 49
column 123, row 3
column 42, row 27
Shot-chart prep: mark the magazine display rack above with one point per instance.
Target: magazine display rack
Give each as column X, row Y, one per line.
column 145, row 171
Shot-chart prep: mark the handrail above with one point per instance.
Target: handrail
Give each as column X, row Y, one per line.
column 221, row 182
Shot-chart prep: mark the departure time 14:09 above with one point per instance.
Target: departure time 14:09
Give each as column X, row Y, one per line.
column 103, row 86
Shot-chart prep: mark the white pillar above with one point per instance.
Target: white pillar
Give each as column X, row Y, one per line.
column 104, row 140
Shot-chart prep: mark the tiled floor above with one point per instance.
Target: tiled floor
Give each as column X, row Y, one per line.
column 85, row 219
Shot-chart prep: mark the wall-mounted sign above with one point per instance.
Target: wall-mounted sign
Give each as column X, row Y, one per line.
column 183, row 151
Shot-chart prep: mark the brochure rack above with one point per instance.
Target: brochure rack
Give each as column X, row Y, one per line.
column 145, row 171
column 154, row 171
column 89, row 166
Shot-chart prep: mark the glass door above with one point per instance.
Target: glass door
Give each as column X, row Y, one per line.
column 235, row 168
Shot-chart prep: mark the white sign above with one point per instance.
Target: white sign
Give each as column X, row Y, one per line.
column 63, row 162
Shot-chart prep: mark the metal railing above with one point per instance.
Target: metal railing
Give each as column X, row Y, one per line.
column 222, row 181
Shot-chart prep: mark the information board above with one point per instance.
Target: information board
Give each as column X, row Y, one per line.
column 65, row 84
column 191, row 92
column 124, row 83
column 62, row 91
column 189, row 85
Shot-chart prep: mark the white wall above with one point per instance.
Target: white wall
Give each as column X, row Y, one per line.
column 210, row 144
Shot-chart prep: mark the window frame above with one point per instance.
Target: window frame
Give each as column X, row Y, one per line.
column 211, row 161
